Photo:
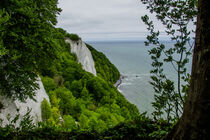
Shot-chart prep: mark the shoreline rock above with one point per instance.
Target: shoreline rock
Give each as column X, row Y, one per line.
column 119, row 82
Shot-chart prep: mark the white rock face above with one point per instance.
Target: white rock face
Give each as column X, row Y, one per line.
column 11, row 107
column 83, row 54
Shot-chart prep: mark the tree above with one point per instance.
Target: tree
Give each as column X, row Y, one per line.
column 175, row 16
column 73, row 37
column 26, row 46
column 46, row 110
column 69, row 123
column 55, row 114
column 195, row 122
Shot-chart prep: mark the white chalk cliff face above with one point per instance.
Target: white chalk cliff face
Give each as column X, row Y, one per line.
column 11, row 107
column 83, row 54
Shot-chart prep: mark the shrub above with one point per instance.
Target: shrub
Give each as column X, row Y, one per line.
column 48, row 83
column 105, row 69
column 58, row 80
column 69, row 122
column 46, row 110
column 73, row 37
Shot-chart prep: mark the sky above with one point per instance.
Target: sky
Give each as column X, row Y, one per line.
column 100, row 20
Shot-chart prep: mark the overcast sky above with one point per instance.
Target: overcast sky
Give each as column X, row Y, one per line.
column 103, row 19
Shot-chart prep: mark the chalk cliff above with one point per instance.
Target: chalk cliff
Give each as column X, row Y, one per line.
column 11, row 107
column 83, row 54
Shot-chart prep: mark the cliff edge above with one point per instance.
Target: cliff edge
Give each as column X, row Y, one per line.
column 84, row 55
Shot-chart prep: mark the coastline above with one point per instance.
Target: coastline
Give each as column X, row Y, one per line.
column 119, row 82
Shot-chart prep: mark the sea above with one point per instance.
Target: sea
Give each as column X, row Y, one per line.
column 134, row 63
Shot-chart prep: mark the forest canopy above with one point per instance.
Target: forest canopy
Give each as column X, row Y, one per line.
column 31, row 46
column 26, row 42
column 82, row 105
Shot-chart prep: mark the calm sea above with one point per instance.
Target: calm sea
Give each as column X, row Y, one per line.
column 133, row 61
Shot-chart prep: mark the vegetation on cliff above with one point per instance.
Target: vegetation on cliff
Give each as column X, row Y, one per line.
column 105, row 69
column 83, row 106
column 77, row 95
column 26, row 44
column 31, row 46
column 79, row 101
column 73, row 37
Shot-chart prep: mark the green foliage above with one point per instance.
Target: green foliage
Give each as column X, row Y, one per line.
column 26, row 124
column 105, row 69
column 69, row 123
column 55, row 114
column 91, row 107
column 48, row 83
column 25, row 44
column 54, row 100
column 30, row 45
column 46, row 110
column 83, row 96
column 175, row 16
column 73, row 37
column 67, row 100
column 59, row 80
column 140, row 128
column 27, row 121
column 84, row 121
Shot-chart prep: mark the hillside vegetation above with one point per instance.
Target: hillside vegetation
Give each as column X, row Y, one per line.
column 79, row 96
column 105, row 69
column 81, row 104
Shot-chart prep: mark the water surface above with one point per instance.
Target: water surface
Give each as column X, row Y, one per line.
column 133, row 61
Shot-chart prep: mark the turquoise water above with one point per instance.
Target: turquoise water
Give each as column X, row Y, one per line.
column 133, row 61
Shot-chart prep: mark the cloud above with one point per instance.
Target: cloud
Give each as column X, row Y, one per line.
column 103, row 19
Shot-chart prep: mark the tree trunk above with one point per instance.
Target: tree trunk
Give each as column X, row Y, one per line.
column 195, row 121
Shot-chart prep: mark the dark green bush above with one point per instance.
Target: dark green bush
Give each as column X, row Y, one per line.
column 142, row 128
column 73, row 37
column 46, row 110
